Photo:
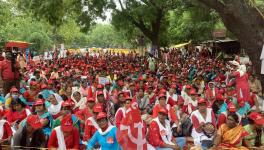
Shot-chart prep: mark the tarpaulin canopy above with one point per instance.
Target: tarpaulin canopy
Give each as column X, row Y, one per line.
column 19, row 44
column 180, row 45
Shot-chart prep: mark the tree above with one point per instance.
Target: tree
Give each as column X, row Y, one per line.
column 106, row 36
column 246, row 22
column 24, row 28
column 5, row 16
column 40, row 42
column 192, row 23
column 150, row 17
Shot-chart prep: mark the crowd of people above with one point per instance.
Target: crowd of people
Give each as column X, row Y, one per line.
column 193, row 101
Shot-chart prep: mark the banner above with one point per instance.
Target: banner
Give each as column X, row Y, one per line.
column 103, row 80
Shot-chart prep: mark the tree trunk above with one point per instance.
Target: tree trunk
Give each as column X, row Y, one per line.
column 246, row 22
column 155, row 44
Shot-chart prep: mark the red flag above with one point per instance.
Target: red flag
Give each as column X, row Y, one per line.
column 89, row 92
column 131, row 134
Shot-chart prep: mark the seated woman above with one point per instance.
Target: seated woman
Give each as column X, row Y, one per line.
column 46, row 119
column 54, row 107
column 5, row 129
column 160, row 135
column 255, row 130
column 105, row 136
column 65, row 136
column 31, row 135
column 66, row 109
column 230, row 134
column 17, row 113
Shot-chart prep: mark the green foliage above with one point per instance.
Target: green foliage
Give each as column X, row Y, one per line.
column 56, row 12
column 192, row 23
column 70, row 33
column 148, row 17
column 260, row 5
column 39, row 41
column 24, row 28
column 106, row 36
column 163, row 22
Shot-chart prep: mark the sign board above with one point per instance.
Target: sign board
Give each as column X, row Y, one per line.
column 103, row 80
column 36, row 58
column 219, row 33
column 244, row 60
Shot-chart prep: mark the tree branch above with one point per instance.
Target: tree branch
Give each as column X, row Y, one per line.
column 215, row 4
column 121, row 5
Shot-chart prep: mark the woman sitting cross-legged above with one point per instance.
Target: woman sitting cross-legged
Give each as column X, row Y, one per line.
column 230, row 135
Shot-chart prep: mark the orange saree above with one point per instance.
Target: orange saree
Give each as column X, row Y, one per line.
column 232, row 138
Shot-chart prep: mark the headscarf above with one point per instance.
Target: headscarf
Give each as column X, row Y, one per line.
column 240, row 68
column 82, row 103
column 55, row 109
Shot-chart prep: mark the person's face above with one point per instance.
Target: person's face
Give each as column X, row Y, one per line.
column 100, row 98
column 66, row 110
column 107, row 87
column 172, row 90
column 84, row 85
column 95, row 114
column 38, row 75
column 231, row 123
column 39, row 108
column 150, row 90
column 202, row 107
column 132, row 88
column 100, row 89
column 77, row 96
column 162, row 101
column 120, row 96
column 162, row 117
column 127, row 103
column 90, row 104
column 68, row 90
column 102, row 123
column 141, row 93
column 193, row 96
column 17, row 106
column 53, row 100
column 188, row 91
column 211, row 85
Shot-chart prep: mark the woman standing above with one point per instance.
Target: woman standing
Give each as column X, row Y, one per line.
column 242, row 85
